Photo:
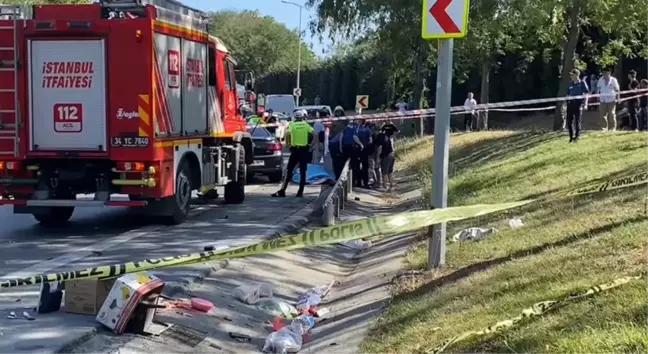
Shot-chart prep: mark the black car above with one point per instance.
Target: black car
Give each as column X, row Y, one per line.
column 268, row 155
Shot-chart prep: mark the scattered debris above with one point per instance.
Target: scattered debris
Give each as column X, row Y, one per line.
column 28, row 316
column 277, row 307
column 357, row 244
column 473, row 234
column 250, row 294
column 515, row 223
column 242, row 338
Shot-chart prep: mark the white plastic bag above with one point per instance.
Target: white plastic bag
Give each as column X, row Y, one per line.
column 286, row 340
column 277, row 307
column 357, row 244
column 473, row 234
column 312, row 297
column 250, row 294
column 515, row 223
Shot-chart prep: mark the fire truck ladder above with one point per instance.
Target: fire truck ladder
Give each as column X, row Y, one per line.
column 10, row 130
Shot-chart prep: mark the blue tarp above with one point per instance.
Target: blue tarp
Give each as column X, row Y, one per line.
column 315, row 174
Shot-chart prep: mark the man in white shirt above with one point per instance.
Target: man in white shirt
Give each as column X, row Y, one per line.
column 469, row 104
column 402, row 106
column 608, row 87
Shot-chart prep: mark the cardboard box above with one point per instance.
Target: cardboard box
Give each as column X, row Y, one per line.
column 125, row 295
column 86, row 296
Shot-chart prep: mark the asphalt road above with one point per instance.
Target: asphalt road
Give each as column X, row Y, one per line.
column 99, row 236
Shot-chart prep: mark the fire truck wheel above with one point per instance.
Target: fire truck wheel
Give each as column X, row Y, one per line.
column 55, row 216
column 235, row 190
column 182, row 198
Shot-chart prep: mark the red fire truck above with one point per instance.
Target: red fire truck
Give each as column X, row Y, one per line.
column 129, row 97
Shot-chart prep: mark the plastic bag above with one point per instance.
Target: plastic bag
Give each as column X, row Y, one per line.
column 357, row 244
column 250, row 294
column 312, row 297
column 515, row 223
column 277, row 307
column 287, row 340
column 473, row 234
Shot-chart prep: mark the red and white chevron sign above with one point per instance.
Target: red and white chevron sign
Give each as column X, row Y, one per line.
column 445, row 18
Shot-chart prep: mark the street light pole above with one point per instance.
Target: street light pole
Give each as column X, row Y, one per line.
column 299, row 42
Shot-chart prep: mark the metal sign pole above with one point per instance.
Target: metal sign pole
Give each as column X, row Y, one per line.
column 437, row 243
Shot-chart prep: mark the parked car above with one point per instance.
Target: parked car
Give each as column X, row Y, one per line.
column 268, row 155
column 280, row 103
column 316, row 111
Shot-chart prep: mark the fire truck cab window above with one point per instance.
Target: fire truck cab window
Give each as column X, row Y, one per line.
column 228, row 75
column 230, row 67
column 212, row 67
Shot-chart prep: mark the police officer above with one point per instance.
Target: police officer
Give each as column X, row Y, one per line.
column 297, row 138
column 577, row 87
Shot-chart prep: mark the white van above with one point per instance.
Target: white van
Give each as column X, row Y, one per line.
column 280, row 103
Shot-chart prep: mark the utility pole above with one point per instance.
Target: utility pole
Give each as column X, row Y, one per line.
column 299, row 43
column 443, row 22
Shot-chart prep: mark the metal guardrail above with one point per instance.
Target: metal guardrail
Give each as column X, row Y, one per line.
column 336, row 196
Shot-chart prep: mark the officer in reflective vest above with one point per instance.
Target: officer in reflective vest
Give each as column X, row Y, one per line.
column 297, row 138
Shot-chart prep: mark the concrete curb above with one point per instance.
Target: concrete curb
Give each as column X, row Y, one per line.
column 67, row 347
column 290, row 224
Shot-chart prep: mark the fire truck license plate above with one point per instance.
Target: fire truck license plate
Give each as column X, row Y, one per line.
column 135, row 141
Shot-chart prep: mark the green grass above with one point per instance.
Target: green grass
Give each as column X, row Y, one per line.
column 566, row 245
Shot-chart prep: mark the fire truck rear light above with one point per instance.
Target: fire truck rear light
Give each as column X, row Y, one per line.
column 131, row 166
column 9, row 165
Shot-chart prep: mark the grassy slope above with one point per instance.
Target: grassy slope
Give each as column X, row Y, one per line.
column 566, row 245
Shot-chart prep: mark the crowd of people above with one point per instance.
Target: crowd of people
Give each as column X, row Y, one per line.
column 635, row 116
column 370, row 151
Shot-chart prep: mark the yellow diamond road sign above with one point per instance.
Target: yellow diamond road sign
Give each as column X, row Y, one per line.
column 445, row 19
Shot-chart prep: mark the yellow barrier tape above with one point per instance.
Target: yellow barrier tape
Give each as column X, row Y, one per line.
column 386, row 225
column 374, row 226
column 538, row 309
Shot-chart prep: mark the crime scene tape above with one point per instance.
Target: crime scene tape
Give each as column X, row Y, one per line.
column 538, row 309
column 370, row 227
column 389, row 225
column 547, row 108
column 463, row 109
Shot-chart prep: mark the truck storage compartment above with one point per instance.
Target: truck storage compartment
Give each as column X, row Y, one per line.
column 67, row 95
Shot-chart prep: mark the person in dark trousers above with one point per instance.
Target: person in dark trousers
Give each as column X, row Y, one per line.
column 633, row 104
column 297, row 138
column 351, row 146
column 337, row 155
column 577, row 87
column 364, row 134
column 385, row 147
column 643, row 106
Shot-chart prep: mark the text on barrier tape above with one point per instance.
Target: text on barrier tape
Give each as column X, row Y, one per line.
column 375, row 226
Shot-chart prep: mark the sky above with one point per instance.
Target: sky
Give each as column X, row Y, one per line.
column 284, row 13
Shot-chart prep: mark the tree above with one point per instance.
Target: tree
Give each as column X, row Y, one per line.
column 397, row 32
column 622, row 21
column 261, row 44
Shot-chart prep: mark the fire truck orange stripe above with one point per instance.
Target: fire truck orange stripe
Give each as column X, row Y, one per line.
column 145, row 120
column 143, row 109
